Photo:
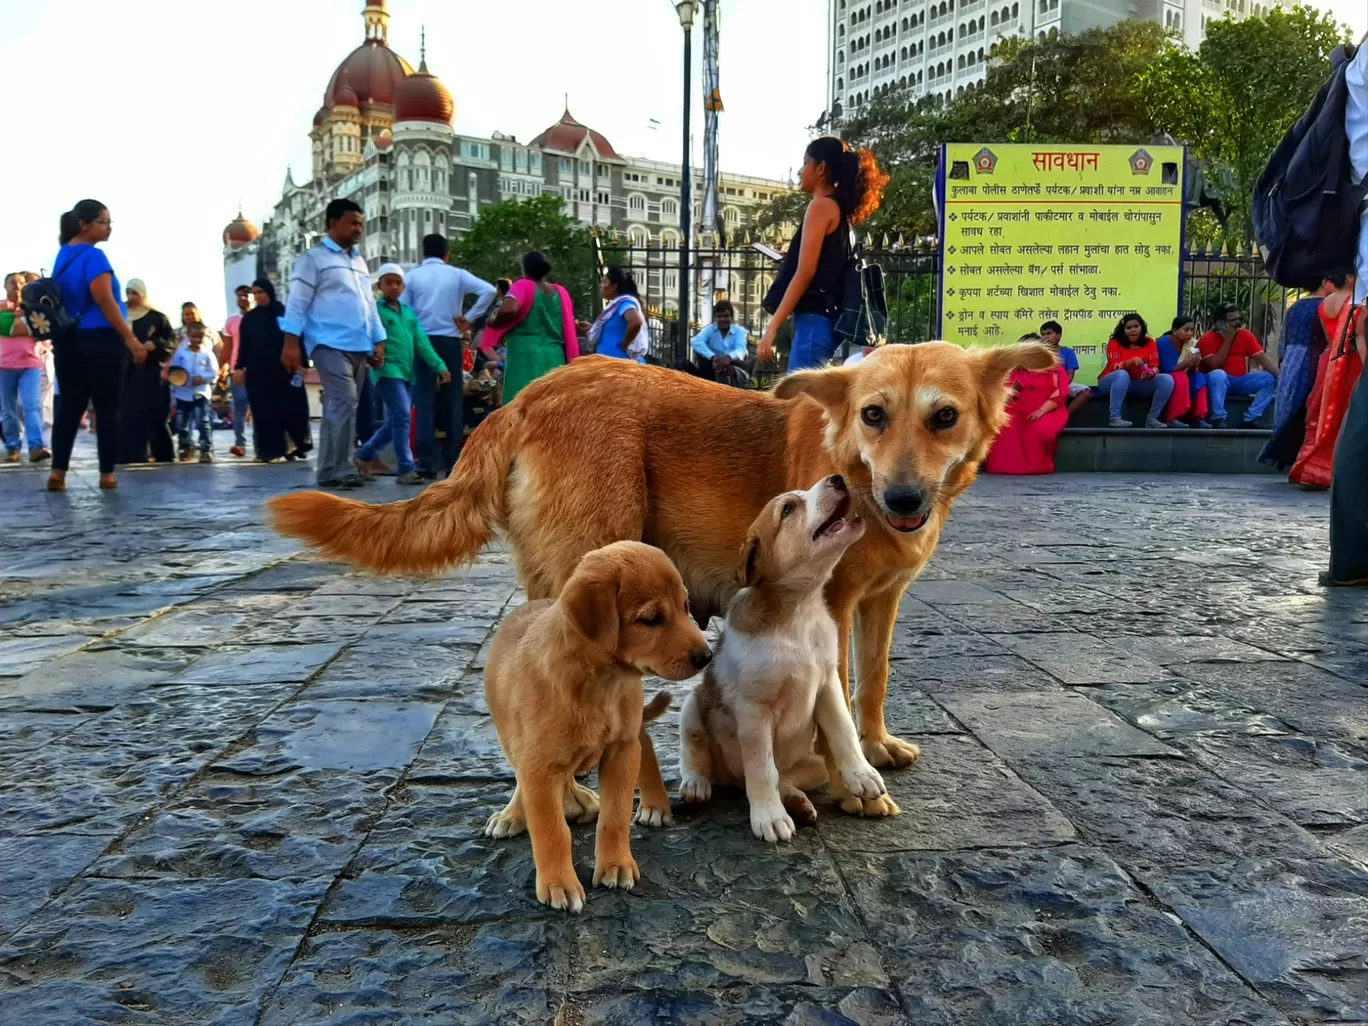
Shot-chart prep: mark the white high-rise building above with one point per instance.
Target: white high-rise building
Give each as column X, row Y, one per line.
column 941, row 46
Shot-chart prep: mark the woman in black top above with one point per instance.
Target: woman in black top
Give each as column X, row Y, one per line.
column 846, row 187
column 279, row 406
column 143, row 423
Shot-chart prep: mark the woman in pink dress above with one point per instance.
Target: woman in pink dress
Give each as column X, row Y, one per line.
column 1036, row 416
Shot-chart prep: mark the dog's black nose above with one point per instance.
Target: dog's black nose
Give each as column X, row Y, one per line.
column 700, row 657
column 837, row 481
column 905, row 500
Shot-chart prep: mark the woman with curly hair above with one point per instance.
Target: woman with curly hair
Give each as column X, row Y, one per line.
column 846, row 186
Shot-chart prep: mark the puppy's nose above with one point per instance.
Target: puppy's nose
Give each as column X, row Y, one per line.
column 700, row 657
column 904, row 499
column 837, row 481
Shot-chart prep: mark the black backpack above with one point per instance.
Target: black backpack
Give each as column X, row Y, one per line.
column 45, row 313
column 1307, row 202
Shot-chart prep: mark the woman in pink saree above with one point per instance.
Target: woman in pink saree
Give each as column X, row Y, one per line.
column 1036, row 416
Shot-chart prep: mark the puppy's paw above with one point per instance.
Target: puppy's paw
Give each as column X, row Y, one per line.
column 870, row 808
column 617, row 870
column 504, row 824
column 581, row 804
column 862, row 781
column 561, row 890
column 653, row 817
column 799, row 806
column 771, row 823
column 889, row 751
column 695, row 788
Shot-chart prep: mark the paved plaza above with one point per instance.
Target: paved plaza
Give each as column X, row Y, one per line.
column 241, row 786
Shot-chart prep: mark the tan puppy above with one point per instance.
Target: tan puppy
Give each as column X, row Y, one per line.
column 563, row 683
column 774, row 682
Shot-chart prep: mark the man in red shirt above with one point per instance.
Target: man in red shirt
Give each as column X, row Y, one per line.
column 1227, row 351
column 231, row 336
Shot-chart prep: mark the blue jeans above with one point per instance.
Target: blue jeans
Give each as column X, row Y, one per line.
column 398, row 416
column 813, row 342
column 193, row 413
column 240, row 416
column 439, row 407
column 1118, row 384
column 16, row 387
column 1262, row 385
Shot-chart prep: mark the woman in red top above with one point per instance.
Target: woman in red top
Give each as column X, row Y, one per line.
column 1036, row 416
column 1341, row 366
column 1133, row 369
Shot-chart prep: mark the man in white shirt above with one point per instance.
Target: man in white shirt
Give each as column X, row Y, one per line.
column 437, row 292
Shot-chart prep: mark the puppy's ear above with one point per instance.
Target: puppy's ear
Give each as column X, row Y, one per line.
column 589, row 602
column 748, row 572
column 996, row 363
column 829, row 387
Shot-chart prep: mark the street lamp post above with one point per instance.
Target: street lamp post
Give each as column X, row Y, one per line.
column 687, row 9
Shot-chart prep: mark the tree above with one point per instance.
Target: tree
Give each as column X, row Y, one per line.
column 1233, row 98
column 782, row 214
column 495, row 244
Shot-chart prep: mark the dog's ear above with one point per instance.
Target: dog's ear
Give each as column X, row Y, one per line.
column 748, row 571
column 589, row 602
column 828, row 386
column 996, row 363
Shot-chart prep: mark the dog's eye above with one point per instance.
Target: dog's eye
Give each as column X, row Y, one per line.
column 945, row 417
column 654, row 620
column 789, row 507
column 874, row 416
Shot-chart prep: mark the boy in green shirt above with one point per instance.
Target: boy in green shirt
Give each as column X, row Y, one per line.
column 403, row 338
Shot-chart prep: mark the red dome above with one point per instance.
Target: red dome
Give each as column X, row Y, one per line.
column 240, row 232
column 422, row 97
column 368, row 77
column 318, row 118
column 567, row 134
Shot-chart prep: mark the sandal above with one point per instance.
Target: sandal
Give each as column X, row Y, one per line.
column 56, row 484
column 108, row 482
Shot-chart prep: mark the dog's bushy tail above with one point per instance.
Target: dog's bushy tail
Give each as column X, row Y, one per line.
column 449, row 522
column 655, row 707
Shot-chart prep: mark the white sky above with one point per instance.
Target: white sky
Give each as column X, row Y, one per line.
column 190, row 107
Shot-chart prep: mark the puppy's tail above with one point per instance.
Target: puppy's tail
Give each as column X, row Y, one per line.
column 655, row 707
column 449, row 522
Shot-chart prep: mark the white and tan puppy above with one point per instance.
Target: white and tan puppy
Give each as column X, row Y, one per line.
column 773, row 680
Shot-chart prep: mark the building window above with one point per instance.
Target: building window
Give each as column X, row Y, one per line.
column 670, row 207
column 567, row 165
column 603, row 199
column 636, row 204
column 583, row 195
column 584, row 167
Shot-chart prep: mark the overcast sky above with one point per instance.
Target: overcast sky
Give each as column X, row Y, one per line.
column 182, row 109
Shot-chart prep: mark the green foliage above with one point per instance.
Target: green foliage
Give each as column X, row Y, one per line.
column 495, row 244
column 785, row 208
column 1233, row 98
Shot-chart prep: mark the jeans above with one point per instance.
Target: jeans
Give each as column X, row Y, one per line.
column 1118, row 384
column 365, row 411
column 193, row 413
column 240, row 416
column 449, row 415
column 341, row 374
column 394, row 393
column 1262, row 385
column 26, row 387
column 813, row 342
column 90, row 368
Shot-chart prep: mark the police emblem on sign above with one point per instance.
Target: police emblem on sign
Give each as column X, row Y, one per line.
column 984, row 161
column 1141, row 162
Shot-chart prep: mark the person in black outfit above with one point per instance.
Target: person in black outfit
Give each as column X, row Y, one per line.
column 143, row 424
column 279, row 407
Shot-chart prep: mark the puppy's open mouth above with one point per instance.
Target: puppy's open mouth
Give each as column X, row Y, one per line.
column 906, row 524
column 836, row 523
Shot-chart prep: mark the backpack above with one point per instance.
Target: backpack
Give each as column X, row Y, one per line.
column 1307, row 202
column 863, row 309
column 46, row 314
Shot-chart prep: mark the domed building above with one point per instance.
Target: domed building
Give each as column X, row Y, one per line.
column 240, row 247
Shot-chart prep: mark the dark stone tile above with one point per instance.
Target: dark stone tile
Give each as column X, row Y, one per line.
column 261, row 664
column 86, row 680
column 741, row 1006
column 1308, row 699
column 1082, row 659
column 956, row 674
column 462, row 748
column 387, row 669
column 189, row 627
column 35, row 868
column 1061, row 936
column 358, row 604
column 1294, row 928
column 204, row 951
column 1175, row 709
column 22, row 655
column 287, row 629
column 412, row 611
column 22, row 733
column 1168, row 650
column 1021, row 726
column 295, row 575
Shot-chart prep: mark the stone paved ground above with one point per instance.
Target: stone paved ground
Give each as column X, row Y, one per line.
column 238, row 786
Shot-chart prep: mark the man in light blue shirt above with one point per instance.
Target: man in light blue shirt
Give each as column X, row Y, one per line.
column 331, row 306
column 437, row 292
column 722, row 346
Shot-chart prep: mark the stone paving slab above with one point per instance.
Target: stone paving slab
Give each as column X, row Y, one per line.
column 246, row 786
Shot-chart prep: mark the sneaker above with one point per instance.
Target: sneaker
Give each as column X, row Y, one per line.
column 1219, row 423
column 1153, row 423
column 12, row 456
column 352, row 481
column 1118, row 422
column 238, row 450
column 332, row 482
column 410, row 477
column 206, row 457
column 363, row 471
column 1201, row 423
column 1176, row 424
column 187, row 456
column 39, row 455
column 427, row 475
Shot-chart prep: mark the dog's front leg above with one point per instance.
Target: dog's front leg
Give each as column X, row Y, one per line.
column 770, row 821
column 874, row 625
column 618, row 771
column 843, row 614
column 862, row 787
column 655, row 800
column 542, row 792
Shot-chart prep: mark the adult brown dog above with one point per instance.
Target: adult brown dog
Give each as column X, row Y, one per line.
column 563, row 683
column 603, row 449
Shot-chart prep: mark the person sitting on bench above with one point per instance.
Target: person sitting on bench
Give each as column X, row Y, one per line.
column 720, row 349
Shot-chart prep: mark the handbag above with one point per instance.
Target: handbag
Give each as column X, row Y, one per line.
column 44, row 310
column 862, row 314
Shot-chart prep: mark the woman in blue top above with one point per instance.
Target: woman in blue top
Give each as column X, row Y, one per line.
column 90, row 361
column 1179, row 358
column 619, row 330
